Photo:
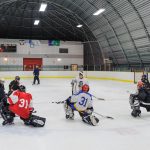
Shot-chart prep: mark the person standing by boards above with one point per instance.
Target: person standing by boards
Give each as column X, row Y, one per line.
column 36, row 73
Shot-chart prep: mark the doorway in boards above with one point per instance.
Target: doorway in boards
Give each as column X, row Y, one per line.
column 30, row 63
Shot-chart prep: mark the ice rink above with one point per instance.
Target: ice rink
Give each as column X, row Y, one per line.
column 122, row 133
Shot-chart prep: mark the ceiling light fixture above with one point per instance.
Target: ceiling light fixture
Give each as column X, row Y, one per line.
column 79, row 25
column 43, row 7
column 36, row 22
column 99, row 12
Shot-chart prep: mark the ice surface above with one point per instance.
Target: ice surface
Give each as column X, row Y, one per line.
column 122, row 133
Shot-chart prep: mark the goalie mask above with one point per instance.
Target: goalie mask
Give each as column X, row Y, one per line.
column 85, row 88
column 144, row 76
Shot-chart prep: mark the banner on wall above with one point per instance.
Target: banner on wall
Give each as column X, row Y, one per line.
column 34, row 43
column 54, row 42
column 22, row 42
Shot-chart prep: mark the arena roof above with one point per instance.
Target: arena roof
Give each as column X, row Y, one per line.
column 121, row 32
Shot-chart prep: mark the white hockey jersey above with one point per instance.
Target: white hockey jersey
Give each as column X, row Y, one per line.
column 82, row 101
column 77, row 84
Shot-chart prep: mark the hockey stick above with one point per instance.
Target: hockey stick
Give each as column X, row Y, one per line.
column 34, row 112
column 102, row 99
column 58, row 102
column 61, row 102
column 108, row 117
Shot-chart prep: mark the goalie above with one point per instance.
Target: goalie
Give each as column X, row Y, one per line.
column 140, row 99
column 20, row 103
column 81, row 102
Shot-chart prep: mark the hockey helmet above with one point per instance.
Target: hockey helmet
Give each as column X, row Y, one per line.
column 22, row 88
column 2, row 80
column 81, row 74
column 85, row 88
column 144, row 76
column 17, row 78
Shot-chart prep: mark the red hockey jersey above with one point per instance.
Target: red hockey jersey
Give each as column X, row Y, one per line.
column 20, row 103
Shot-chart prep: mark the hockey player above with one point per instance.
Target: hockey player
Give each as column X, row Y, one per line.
column 140, row 99
column 3, row 98
column 78, row 82
column 81, row 102
column 14, row 85
column 20, row 103
column 36, row 74
column 2, row 90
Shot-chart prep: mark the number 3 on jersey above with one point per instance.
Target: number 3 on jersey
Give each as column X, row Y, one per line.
column 23, row 103
column 83, row 101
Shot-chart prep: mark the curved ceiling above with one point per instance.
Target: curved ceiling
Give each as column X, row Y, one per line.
column 122, row 32
column 18, row 16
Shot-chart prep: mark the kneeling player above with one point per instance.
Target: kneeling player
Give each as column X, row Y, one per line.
column 81, row 102
column 20, row 103
column 140, row 99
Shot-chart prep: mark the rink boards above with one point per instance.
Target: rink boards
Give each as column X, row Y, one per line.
column 100, row 75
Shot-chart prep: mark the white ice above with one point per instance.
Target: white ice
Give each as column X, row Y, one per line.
column 122, row 133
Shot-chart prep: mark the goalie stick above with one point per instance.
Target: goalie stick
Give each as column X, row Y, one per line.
column 108, row 117
column 59, row 102
column 102, row 99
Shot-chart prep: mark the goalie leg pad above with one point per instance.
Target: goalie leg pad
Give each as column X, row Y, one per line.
column 68, row 111
column 136, row 113
column 7, row 116
column 136, row 108
column 91, row 120
column 35, row 121
column 133, row 100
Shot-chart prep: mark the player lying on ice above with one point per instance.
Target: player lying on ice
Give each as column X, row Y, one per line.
column 20, row 103
column 81, row 102
column 141, row 98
